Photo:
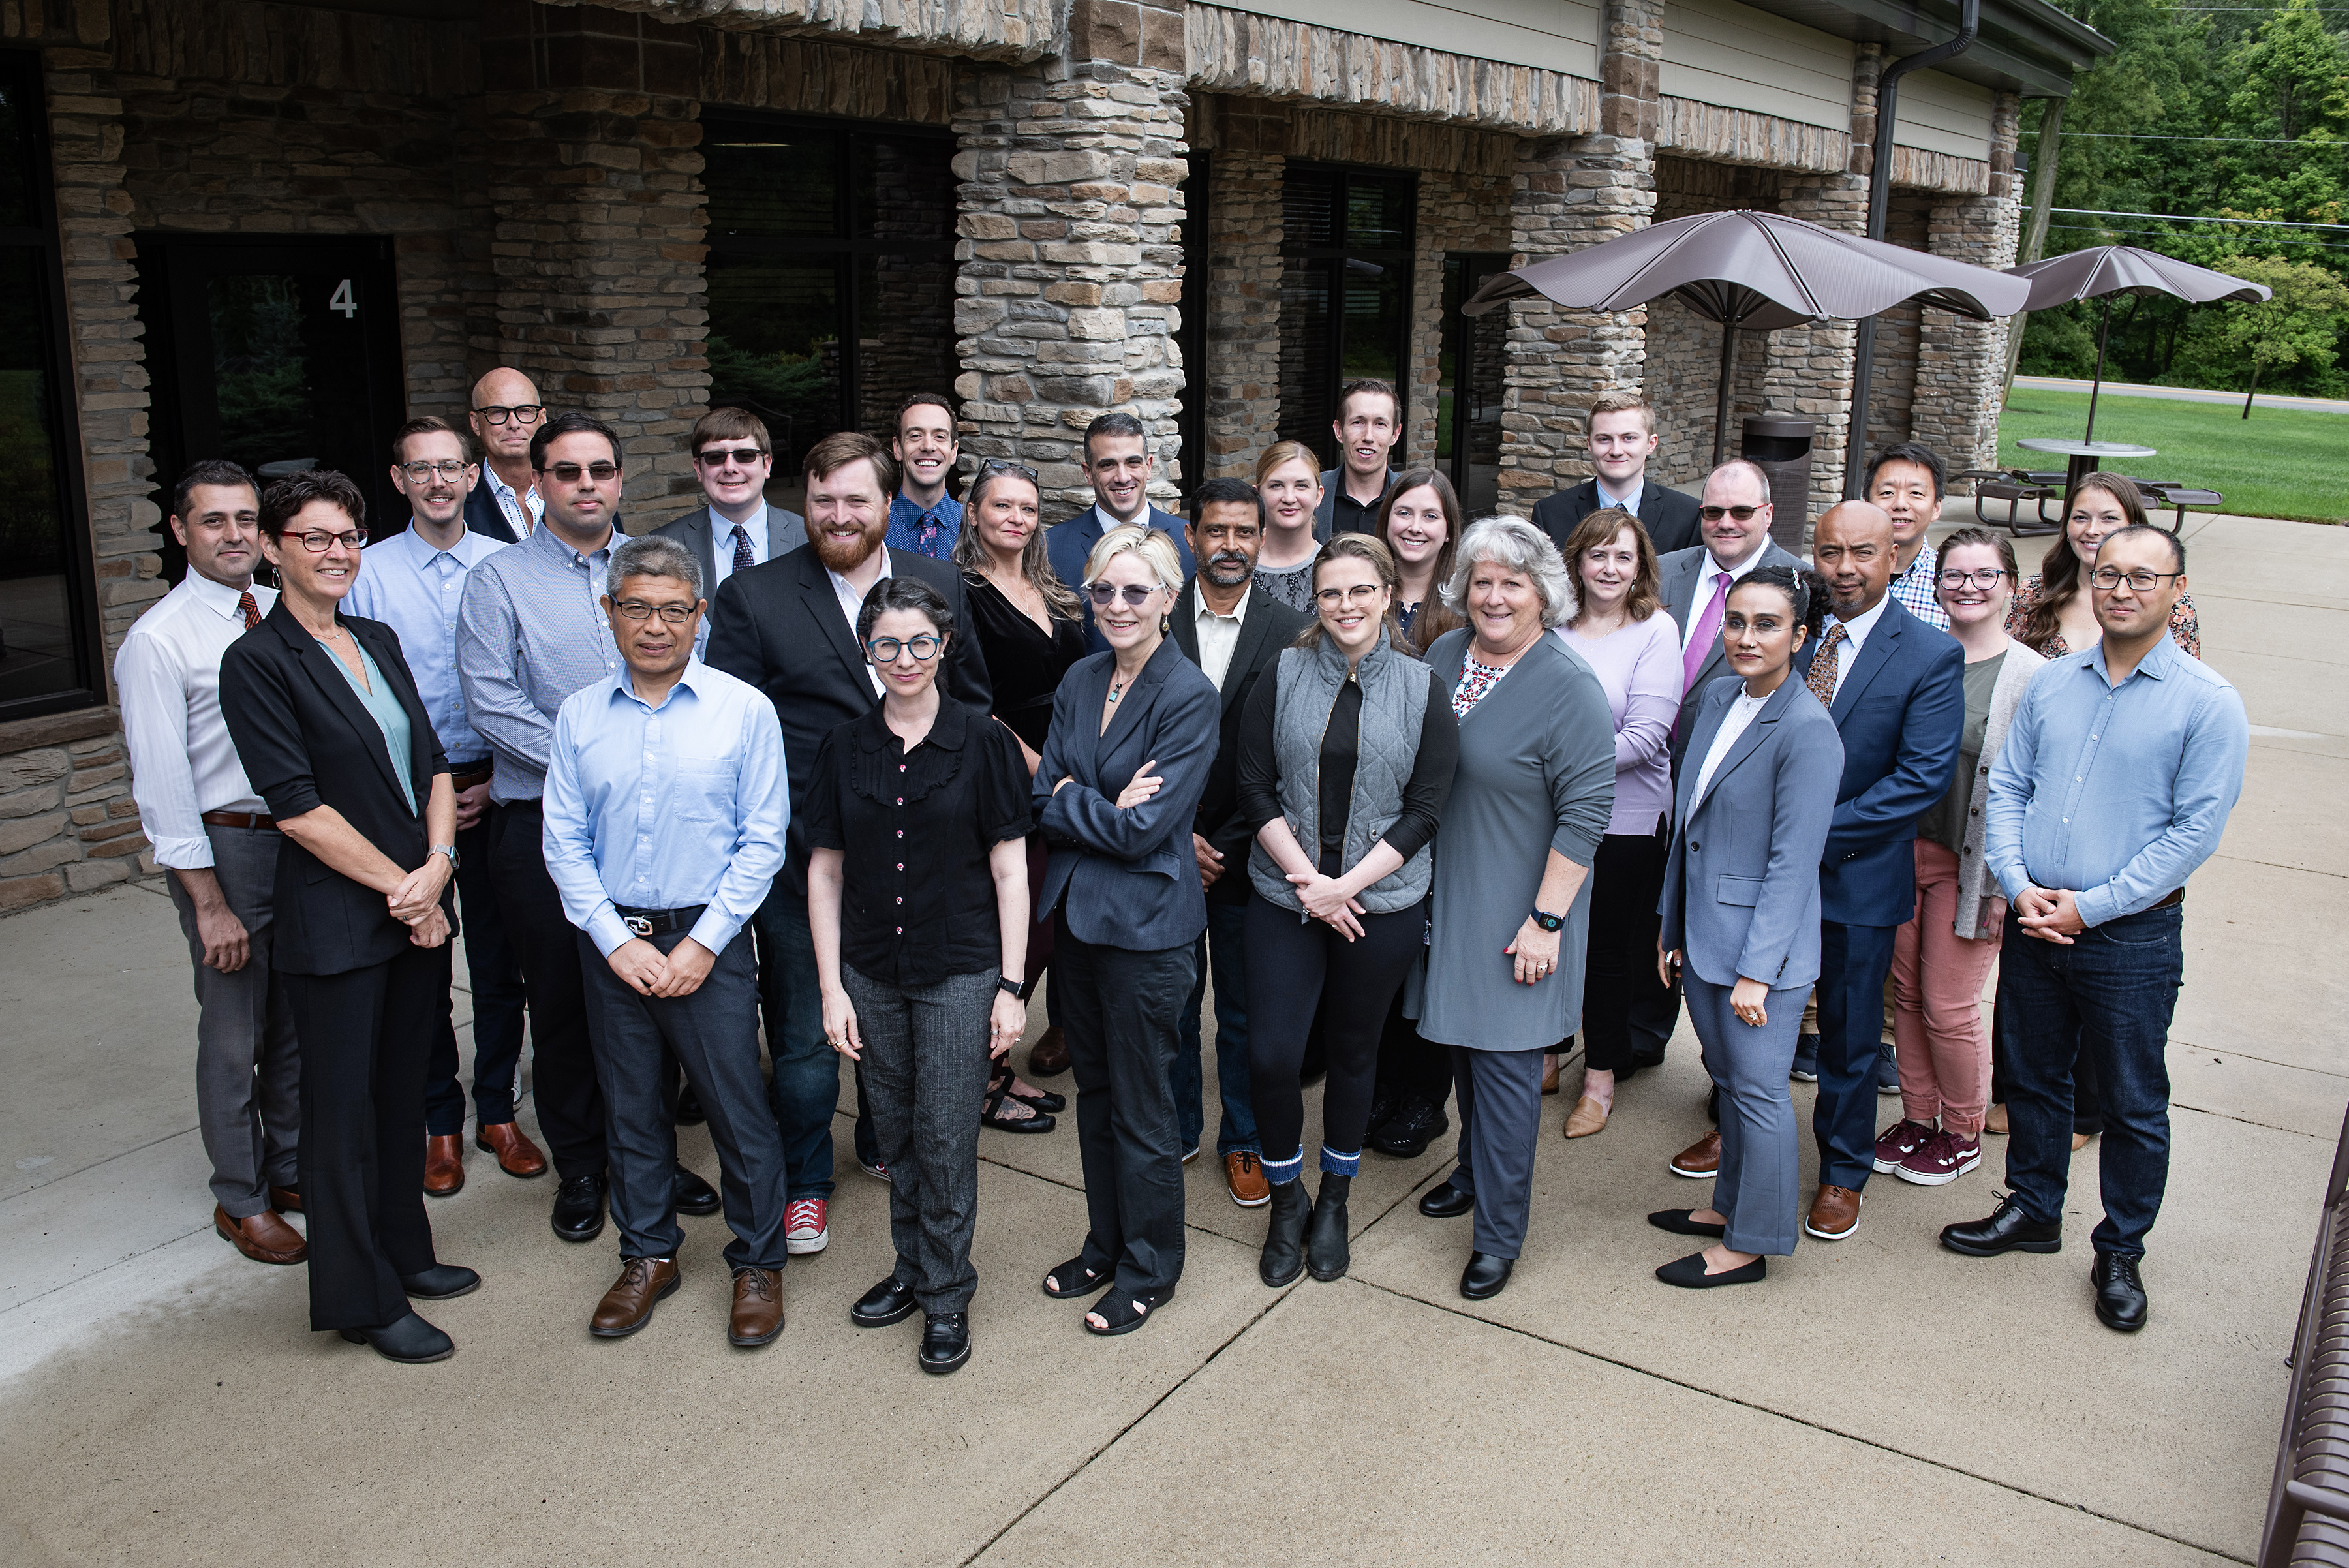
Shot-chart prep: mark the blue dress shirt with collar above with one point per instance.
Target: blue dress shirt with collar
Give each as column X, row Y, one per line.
column 417, row 590
column 907, row 522
column 529, row 632
column 666, row 807
column 2115, row 793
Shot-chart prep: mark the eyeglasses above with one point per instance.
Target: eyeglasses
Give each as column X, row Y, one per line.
column 320, row 543
column 886, row 649
column 720, row 456
column 2143, row 579
column 521, row 413
column 1714, row 514
column 673, row 614
column 569, row 472
column 1360, row 594
column 447, row 468
column 1986, row 578
column 1104, row 595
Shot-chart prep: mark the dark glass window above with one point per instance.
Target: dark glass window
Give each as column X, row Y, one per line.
column 1468, row 389
column 1345, row 292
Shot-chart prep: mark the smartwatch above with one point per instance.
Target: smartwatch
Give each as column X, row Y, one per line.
column 1548, row 921
column 1006, row 985
column 450, row 851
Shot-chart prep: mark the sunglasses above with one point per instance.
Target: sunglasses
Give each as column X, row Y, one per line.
column 1714, row 514
column 720, row 456
column 1104, row 595
column 569, row 472
column 995, row 465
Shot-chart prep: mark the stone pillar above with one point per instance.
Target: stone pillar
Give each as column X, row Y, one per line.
column 1241, row 380
column 1962, row 364
column 1069, row 265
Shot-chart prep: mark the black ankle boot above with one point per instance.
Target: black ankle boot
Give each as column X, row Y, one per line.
column 1326, row 1253
column 1284, row 1238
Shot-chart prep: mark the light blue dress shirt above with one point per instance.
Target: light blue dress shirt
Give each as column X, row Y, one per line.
column 417, row 591
column 529, row 632
column 2115, row 793
column 905, row 527
column 664, row 809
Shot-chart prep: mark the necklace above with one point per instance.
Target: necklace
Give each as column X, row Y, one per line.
column 1115, row 687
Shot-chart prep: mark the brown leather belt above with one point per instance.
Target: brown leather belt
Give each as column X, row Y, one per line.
column 465, row 780
column 252, row 820
column 2177, row 897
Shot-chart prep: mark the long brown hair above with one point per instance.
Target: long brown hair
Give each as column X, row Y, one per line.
column 1432, row 619
column 1601, row 528
column 2059, row 569
column 1360, row 547
column 970, row 551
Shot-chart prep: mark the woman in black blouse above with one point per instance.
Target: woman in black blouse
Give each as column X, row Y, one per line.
column 1346, row 755
column 917, row 818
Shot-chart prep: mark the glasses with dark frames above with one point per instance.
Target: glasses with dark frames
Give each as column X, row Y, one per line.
column 520, row 413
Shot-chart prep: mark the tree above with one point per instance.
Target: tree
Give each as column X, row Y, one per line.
column 2301, row 321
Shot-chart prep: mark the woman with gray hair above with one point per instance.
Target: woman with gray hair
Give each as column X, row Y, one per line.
column 1530, row 799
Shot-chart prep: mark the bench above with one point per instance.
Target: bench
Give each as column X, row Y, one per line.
column 2308, row 1505
column 2015, row 486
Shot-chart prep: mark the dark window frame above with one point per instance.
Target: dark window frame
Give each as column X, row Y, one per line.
column 1191, row 338
column 1333, row 258
column 1458, row 347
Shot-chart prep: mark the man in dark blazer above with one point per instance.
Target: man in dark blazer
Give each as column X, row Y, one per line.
column 1896, row 690
column 787, row 627
column 504, row 503
column 1232, row 630
column 1118, row 461
column 1620, row 437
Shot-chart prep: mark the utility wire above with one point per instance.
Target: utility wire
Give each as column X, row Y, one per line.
column 2255, row 140
column 2161, row 234
column 2182, row 218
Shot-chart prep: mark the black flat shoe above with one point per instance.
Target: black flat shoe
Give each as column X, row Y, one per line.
column 1689, row 1273
column 688, row 1108
column 1042, row 1099
column 990, row 1113
column 1486, row 1277
column 1075, row 1279
column 946, row 1342
column 411, row 1341
column 2121, row 1294
column 1411, row 1129
column 1678, row 1223
column 1284, row 1235
column 441, row 1282
column 891, row 1301
column 1447, row 1202
column 694, row 1196
column 1327, row 1255
column 2008, row 1231
column 579, row 1208
column 1123, row 1311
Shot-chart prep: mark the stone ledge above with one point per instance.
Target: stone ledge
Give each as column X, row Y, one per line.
column 57, row 729
column 982, row 29
column 1693, row 130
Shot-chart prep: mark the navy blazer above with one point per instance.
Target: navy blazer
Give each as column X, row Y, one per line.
column 1669, row 516
column 1069, row 545
column 1129, row 876
column 1739, row 900
column 1901, row 712
column 484, row 516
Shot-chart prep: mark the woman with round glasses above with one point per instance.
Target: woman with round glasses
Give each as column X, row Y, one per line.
column 917, row 819
column 1133, row 734
column 2053, row 614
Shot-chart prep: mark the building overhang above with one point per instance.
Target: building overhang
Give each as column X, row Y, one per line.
column 2025, row 46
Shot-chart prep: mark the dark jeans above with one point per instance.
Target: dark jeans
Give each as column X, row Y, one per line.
column 1854, row 961
column 1223, row 945
column 546, row 946
column 498, row 1003
column 1295, row 966
column 805, row 1089
column 2087, row 1104
column 2106, row 998
column 1122, row 1022
column 1619, row 981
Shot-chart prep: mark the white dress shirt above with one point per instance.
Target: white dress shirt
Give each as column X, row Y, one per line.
column 1219, row 637
column 1712, row 575
column 522, row 513
column 1854, row 633
column 1734, row 723
column 852, row 602
column 182, row 763
column 418, row 590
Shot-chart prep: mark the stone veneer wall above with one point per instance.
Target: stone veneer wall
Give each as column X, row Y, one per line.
column 1893, row 384
column 1961, row 364
column 1464, row 210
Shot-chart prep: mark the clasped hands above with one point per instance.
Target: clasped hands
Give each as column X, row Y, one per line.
column 649, row 972
column 416, row 902
column 2051, row 916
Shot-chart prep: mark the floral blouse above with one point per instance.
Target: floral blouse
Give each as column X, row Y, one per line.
column 2185, row 626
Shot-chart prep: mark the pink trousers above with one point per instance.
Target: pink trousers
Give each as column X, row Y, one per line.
column 1936, row 982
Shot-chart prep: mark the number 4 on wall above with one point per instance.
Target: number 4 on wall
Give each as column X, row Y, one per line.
column 343, row 300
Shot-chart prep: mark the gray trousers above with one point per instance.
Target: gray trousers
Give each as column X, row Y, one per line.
column 925, row 1071
column 248, row 1068
column 1500, row 1128
column 1760, row 1179
column 714, row 1037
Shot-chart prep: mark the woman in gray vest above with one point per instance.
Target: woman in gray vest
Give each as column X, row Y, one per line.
column 1346, row 754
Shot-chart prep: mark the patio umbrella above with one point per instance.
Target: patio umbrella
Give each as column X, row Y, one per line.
column 1754, row 272
column 2101, row 272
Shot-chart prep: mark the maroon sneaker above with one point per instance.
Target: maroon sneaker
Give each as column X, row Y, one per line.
column 1940, row 1160
column 1899, row 1141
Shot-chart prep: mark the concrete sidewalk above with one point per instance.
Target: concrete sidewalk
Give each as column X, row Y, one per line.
column 2183, row 394
column 1879, row 1400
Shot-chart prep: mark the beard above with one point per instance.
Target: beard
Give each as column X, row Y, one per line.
column 845, row 558
column 1228, row 568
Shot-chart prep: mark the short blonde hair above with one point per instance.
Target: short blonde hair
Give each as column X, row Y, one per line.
column 1154, row 545
column 1626, row 403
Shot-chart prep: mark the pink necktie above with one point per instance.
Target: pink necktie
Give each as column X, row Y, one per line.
column 1708, row 634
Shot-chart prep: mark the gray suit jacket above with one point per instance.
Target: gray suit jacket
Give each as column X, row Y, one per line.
column 786, row 532
column 1679, row 576
column 1741, row 887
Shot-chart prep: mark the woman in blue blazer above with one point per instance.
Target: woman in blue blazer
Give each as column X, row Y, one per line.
column 1124, row 763
column 1741, row 913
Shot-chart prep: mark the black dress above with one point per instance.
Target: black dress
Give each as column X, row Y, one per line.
column 1024, row 665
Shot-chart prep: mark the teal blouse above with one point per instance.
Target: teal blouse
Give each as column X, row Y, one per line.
column 376, row 695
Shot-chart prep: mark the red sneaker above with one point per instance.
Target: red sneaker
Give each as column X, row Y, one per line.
column 804, row 1227
column 1899, row 1141
column 1941, row 1160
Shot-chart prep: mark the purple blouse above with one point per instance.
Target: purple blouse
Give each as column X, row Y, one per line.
column 1640, row 666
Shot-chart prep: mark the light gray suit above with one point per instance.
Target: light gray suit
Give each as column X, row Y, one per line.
column 1679, row 576
column 1742, row 899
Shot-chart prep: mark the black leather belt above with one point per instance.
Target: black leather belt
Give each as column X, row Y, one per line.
column 2177, row 897
column 659, row 922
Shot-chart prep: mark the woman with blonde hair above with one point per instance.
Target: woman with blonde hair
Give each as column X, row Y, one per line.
column 1289, row 477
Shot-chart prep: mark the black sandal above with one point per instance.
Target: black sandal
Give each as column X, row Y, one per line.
column 991, row 1115
column 1042, row 1099
column 1126, row 1311
column 1071, row 1269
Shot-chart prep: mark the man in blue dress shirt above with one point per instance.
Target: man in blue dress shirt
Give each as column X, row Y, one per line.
column 666, row 807
column 2114, row 783
column 923, row 518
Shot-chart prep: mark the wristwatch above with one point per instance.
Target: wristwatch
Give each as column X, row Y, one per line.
column 450, row 851
column 1006, row 985
column 1548, row 921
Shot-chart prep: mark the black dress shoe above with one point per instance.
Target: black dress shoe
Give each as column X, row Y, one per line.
column 2121, row 1294
column 1640, row 1062
column 1485, row 1276
column 689, row 1113
column 411, row 1341
column 946, row 1342
column 1284, row 1234
column 1407, row 1135
column 1447, row 1202
column 1689, row 1273
column 1678, row 1223
column 1326, row 1253
column 579, row 1207
column 2008, row 1231
column 891, row 1301
column 441, row 1282
column 694, row 1196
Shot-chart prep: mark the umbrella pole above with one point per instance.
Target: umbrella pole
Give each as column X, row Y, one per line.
column 1728, row 382
column 2104, row 324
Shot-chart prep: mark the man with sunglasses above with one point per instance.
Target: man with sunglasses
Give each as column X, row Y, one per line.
column 504, row 504
column 733, row 458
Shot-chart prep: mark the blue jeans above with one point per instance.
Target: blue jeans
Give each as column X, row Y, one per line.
column 805, row 1090
column 2109, row 995
column 1224, row 942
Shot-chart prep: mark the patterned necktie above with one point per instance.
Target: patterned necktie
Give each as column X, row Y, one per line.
column 926, row 541
column 1707, row 641
column 247, row 608
column 1822, row 678
column 742, row 561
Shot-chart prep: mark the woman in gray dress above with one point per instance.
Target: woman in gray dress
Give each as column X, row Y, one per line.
column 1530, row 799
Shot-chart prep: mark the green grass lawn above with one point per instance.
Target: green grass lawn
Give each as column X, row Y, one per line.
column 2281, row 463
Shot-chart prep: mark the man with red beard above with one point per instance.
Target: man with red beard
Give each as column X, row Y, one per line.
column 788, row 626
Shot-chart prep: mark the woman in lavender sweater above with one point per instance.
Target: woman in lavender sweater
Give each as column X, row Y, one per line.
column 1621, row 631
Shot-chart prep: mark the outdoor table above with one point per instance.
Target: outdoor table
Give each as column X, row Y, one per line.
column 2086, row 456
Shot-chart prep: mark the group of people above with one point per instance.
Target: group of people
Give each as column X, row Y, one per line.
column 1424, row 798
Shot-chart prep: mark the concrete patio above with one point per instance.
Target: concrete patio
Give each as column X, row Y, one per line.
column 1880, row 1400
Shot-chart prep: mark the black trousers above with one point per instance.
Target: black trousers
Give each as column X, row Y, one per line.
column 546, row 945
column 1295, row 966
column 365, row 1035
column 1123, row 1010
column 1408, row 1065
column 498, row 1001
column 1619, row 981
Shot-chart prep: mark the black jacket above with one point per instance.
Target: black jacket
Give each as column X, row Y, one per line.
column 1270, row 625
column 306, row 741
column 1669, row 516
column 484, row 516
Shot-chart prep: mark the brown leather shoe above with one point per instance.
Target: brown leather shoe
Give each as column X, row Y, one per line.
column 1589, row 1116
column 265, row 1238
column 1702, row 1158
column 1049, row 1055
column 758, row 1307
column 628, row 1306
column 517, row 1156
column 1834, row 1213
column 1550, row 1074
column 1995, row 1121
column 286, row 1200
column 1244, row 1174
column 444, row 1164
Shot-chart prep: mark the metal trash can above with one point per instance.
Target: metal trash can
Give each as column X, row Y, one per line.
column 1782, row 446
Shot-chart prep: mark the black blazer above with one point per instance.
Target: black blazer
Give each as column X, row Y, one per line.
column 483, row 515
column 1270, row 627
column 1669, row 516
column 306, row 741
column 779, row 626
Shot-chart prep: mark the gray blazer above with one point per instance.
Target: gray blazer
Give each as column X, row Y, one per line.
column 786, row 532
column 1741, row 887
column 1678, row 577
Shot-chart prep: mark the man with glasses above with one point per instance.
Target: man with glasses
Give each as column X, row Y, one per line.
column 923, row 518
column 505, row 504
column 1905, row 481
column 733, row 458
column 788, row 628
column 1118, row 461
column 531, row 630
column 2114, row 785
column 1620, row 436
column 414, row 582
column 1369, row 424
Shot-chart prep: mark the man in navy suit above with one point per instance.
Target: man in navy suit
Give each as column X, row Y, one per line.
column 1118, row 461
column 504, row 504
column 1896, row 690
column 1620, row 437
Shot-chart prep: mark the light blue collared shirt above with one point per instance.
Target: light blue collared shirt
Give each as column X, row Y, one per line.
column 906, row 521
column 1629, row 504
column 2115, row 793
column 666, row 807
column 417, row 591
column 531, row 630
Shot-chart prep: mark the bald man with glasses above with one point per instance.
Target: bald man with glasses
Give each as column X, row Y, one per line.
column 505, row 504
